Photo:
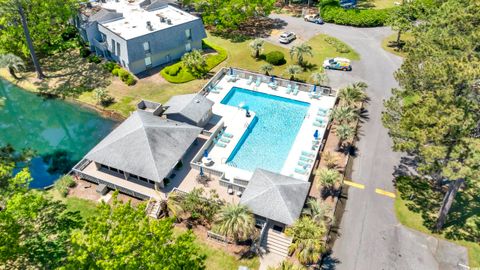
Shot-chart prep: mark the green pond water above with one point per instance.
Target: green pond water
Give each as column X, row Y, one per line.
column 59, row 132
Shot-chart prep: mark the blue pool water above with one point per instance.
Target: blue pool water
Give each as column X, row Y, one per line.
column 270, row 136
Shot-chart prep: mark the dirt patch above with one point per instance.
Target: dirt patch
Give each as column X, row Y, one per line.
column 87, row 190
column 84, row 190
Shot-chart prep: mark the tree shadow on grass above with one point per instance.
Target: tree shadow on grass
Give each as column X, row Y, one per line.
column 423, row 197
column 70, row 75
column 258, row 27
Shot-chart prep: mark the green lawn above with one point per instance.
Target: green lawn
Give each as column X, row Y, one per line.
column 415, row 221
column 239, row 55
column 404, row 37
column 156, row 88
column 377, row 4
column 86, row 208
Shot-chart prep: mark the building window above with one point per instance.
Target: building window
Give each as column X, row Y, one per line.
column 188, row 34
column 113, row 46
column 146, row 47
column 118, row 49
column 148, row 61
column 188, row 47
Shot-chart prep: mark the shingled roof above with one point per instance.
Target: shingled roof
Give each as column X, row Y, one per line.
column 275, row 196
column 191, row 106
column 145, row 145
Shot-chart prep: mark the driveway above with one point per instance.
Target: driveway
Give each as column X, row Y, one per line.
column 371, row 238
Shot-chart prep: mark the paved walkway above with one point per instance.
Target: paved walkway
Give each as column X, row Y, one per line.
column 371, row 237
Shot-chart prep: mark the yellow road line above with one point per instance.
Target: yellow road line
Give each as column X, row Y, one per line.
column 357, row 185
column 386, row 193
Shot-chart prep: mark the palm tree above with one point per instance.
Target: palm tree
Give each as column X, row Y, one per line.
column 351, row 95
column 327, row 178
column 172, row 206
column 307, row 239
column 344, row 132
column 293, row 70
column 343, row 115
column 266, row 68
column 319, row 78
column 300, row 52
column 257, row 47
column 330, row 159
column 13, row 63
column 194, row 62
column 236, row 221
column 318, row 211
column 287, row 265
column 16, row 6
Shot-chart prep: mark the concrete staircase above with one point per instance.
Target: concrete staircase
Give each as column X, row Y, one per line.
column 153, row 209
column 276, row 242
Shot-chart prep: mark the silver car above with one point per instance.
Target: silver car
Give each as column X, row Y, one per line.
column 287, row 37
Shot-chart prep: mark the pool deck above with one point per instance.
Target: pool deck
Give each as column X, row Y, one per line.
column 236, row 123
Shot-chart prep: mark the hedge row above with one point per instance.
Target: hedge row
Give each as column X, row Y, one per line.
column 118, row 71
column 176, row 73
column 332, row 12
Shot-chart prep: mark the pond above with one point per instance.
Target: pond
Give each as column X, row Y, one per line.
column 59, row 132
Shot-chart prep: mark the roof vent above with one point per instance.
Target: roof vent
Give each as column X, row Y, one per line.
column 149, row 26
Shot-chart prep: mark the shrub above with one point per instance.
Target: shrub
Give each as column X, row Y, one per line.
column 130, row 80
column 275, row 58
column 173, row 70
column 337, row 44
column 94, row 59
column 332, row 12
column 123, row 74
column 183, row 75
column 84, row 52
column 115, row 71
column 63, row 184
column 110, row 66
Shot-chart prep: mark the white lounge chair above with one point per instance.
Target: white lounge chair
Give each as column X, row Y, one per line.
column 258, row 82
column 300, row 171
column 295, row 90
column 289, row 89
column 250, row 80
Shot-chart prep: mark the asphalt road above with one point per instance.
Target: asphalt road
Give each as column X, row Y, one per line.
column 370, row 236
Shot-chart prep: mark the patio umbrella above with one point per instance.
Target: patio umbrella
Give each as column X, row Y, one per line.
column 315, row 135
column 272, row 79
column 205, row 153
column 231, row 71
column 314, row 88
column 201, row 171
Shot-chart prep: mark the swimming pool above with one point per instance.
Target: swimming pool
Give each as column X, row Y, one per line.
column 270, row 136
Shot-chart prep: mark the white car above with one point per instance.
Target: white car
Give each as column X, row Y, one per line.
column 287, row 37
column 338, row 63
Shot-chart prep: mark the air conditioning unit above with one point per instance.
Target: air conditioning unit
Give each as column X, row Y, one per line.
column 149, row 26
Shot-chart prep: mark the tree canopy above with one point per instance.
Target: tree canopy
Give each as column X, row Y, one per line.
column 229, row 14
column 123, row 237
column 48, row 22
column 435, row 114
column 34, row 229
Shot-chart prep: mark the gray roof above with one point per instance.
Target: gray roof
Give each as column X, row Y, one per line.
column 191, row 106
column 145, row 145
column 275, row 196
column 104, row 15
